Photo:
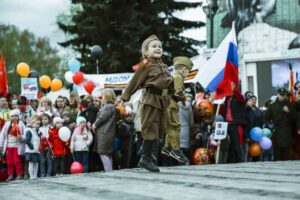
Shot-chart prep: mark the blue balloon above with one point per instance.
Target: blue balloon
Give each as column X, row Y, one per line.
column 74, row 65
column 256, row 134
column 265, row 143
column 267, row 133
column 75, row 88
column 117, row 144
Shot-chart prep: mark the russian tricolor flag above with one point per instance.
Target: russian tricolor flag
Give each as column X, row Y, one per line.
column 220, row 72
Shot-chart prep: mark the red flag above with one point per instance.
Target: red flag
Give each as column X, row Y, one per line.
column 3, row 76
column 291, row 85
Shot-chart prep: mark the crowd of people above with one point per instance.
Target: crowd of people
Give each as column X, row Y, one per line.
column 154, row 122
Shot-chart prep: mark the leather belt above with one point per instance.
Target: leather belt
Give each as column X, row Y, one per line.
column 157, row 91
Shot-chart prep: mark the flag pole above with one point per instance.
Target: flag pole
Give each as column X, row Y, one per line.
column 219, row 141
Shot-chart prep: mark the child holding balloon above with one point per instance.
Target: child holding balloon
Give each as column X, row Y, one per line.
column 59, row 144
column 80, row 142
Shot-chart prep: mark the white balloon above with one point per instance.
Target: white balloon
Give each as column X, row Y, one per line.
column 64, row 133
column 69, row 76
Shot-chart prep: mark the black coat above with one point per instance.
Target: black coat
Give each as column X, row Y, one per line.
column 239, row 118
column 255, row 119
column 284, row 123
column 90, row 114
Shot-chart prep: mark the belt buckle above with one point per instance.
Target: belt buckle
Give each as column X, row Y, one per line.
column 164, row 92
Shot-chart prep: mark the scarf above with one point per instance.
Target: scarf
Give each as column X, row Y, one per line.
column 15, row 130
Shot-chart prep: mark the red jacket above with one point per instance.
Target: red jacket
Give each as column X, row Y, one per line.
column 59, row 147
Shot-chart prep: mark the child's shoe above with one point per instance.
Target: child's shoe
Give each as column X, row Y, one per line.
column 10, row 178
column 26, row 176
column 19, row 177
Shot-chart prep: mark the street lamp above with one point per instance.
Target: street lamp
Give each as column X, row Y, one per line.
column 210, row 9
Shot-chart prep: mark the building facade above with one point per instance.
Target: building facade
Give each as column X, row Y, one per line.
column 268, row 33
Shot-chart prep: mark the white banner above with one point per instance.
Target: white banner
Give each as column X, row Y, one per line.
column 29, row 88
column 114, row 81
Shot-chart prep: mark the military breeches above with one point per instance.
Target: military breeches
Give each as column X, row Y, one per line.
column 152, row 119
column 172, row 126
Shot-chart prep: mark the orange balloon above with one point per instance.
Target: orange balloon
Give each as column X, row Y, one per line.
column 254, row 150
column 45, row 81
column 201, row 156
column 23, row 69
column 56, row 85
column 204, row 108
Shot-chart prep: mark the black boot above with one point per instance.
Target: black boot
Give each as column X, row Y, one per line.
column 146, row 159
column 154, row 152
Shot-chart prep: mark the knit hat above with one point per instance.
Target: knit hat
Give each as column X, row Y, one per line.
column 66, row 114
column 219, row 118
column 182, row 60
column 68, row 122
column 73, row 95
column 147, row 41
column 250, row 97
column 56, row 120
column 80, row 119
column 15, row 112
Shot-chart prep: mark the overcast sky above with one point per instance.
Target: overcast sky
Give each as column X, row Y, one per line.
column 39, row 17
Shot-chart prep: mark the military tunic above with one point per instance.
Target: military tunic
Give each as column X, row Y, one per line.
column 173, row 121
column 154, row 75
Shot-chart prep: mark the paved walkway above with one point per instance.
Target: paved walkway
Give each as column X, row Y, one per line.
column 253, row 181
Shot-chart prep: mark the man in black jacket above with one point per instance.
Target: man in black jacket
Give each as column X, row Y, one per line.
column 283, row 115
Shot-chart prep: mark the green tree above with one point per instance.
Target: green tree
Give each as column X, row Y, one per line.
column 23, row 46
column 120, row 26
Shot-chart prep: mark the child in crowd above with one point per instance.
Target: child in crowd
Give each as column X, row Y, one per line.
column 45, row 107
column 80, row 142
column 224, row 144
column 58, row 146
column 66, row 116
column 186, row 121
column 45, row 150
column 12, row 143
column 32, row 145
column 105, row 129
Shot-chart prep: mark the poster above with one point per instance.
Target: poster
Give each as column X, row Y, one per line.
column 220, row 130
column 281, row 72
column 29, row 88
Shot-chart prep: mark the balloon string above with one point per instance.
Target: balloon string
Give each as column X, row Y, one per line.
column 73, row 157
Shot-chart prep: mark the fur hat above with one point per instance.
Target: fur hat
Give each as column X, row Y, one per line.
column 56, row 120
column 15, row 112
column 80, row 119
column 182, row 60
column 147, row 41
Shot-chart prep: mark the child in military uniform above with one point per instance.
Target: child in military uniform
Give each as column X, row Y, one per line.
column 155, row 77
column 182, row 66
